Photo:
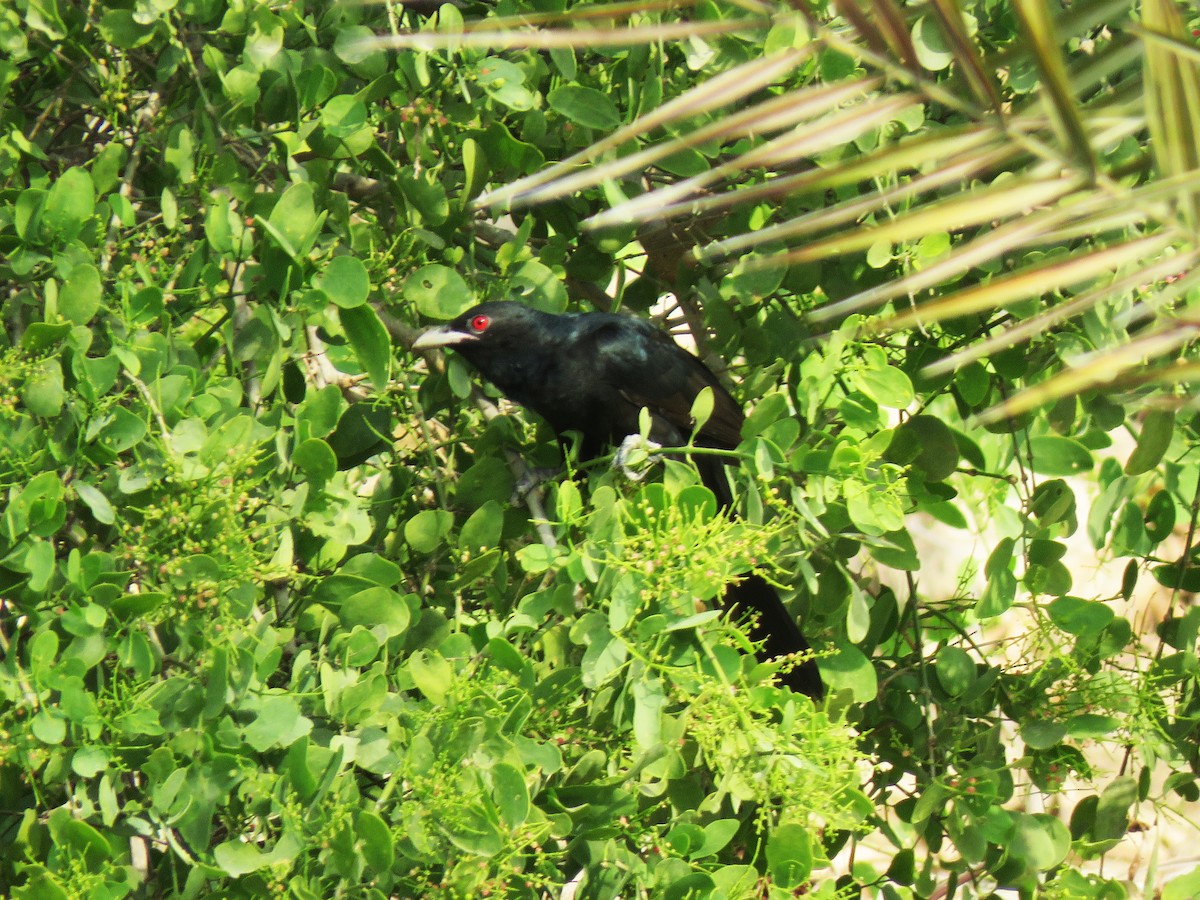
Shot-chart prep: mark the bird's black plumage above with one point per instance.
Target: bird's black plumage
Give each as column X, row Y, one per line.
column 593, row 373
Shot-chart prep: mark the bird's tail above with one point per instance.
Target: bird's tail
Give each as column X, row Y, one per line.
column 774, row 626
column 776, row 629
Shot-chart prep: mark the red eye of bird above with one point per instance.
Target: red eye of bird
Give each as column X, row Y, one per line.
column 479, row 324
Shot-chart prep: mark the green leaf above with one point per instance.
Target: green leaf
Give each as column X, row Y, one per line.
column 90, row 761
column 43, row 335
column 849, row 669
column 426, row 531
column 1112, row 812
column 427, row 195
column 1039, row 841
column 585, row 106
column 649, row 698
column 536, row 558
column 49, row 727
column 604, row 656
column 1085, row 618
column 999, row 594
column 1157, row 429
column 319, row 413
column 482, row 528
column 70, row 202
column 431, row 674
column 369, row 339
column 278, row 723
column 538, row 285
column 887, row 386
column 1041, row 734
column 789, row 855
column 119, row 28
column 504, row 82
column 316, row 460
column 438, row 292
column 96, row 501
column 293, row 221
column 926, row 443
column 510, row 794
column 955, row 670
column 1183, row 887
column 1054, row 455
column 239, row 858
column 376, row 606
column 79, row 299
column 346, row 128
column 717, row 836
column 43, row 394
column 686, row 839
column 702, row 408
column 376, row 840
column 475, row 168
column 345, row 281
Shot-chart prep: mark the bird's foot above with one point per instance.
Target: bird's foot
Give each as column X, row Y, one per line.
column 635, row 456
column 533, row 479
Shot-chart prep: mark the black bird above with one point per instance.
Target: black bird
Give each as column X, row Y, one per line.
column 593, row 373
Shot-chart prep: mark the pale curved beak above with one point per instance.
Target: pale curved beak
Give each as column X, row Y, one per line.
column 441, row 337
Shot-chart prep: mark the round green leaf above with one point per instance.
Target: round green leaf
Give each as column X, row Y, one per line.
column 1157, row 430
column 1055, row 455
column 49, row 727
column 1160, row 516
column 96, row 501
column 70, row 202
column 88, row 762
column 425, row 530
column 119, row 28
column 376, row 606
column 343, row 115
column 315, row 458
column 294, row 216
column 511, row 794
column 43, row 394
column 505, row 83
column 1040, row 841
column 376, row 840
column 1080, row 617
column 318, row 414
column 585, row 106
column 1041, row 734
column 930, row 44
column 80, row 296
column 431, row 674
column 483, row 528
column 438, row 292
column 370, row 342
column 717, row 835
column 955, row 670
column 789, row 855
column 345, row 281
column 926, row 443
column 1112, row 812
column 536, row 284
column 686, row 839
column 849, row 669
column 475, row 168
column 239, row 858
column 887, row 386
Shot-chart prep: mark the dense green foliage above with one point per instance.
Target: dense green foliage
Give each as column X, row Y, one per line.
column 271, row 624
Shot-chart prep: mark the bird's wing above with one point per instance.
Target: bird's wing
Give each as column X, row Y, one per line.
column 650, row 370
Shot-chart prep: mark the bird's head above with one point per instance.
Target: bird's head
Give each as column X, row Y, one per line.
column 488, row 325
